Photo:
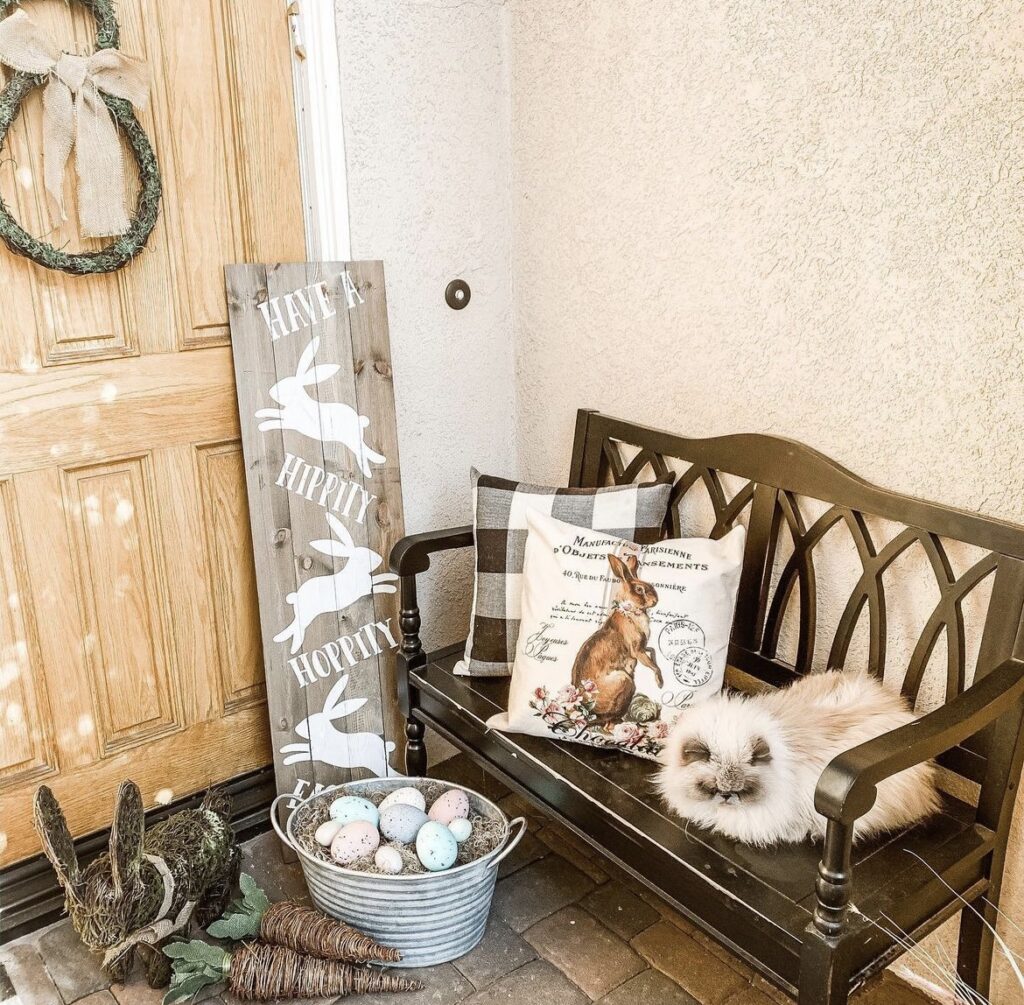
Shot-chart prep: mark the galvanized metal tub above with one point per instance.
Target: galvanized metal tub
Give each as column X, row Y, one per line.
column 430, row 918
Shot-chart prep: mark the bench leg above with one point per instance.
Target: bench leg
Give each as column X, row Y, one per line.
column 824, row 977
column 415, row 749
column 974, row 955
column 410, row 657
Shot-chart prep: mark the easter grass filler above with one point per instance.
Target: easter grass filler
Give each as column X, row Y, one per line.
column 488, row 831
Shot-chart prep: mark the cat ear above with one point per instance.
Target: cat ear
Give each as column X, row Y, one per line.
column 695, row 750
column 761, row 753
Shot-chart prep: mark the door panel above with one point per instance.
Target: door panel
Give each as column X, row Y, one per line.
column 129, row 633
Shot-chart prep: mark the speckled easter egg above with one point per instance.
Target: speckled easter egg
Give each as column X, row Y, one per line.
column 408, row 795
column 451, row 805
column 350, row 808
column 388, row 860
column 326, row 832
column 461, row 829
column 353, row 841
column 402, row 822
column 436, row 846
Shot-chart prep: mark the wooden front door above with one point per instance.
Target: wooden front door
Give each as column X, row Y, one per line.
column 129, row 635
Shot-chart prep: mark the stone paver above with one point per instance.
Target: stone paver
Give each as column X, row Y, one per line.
column 74, row 969
column 7, row 991
column 499, row 953
column 282, row 881
column 444, row 985
column 620, row 909
column 649, row 988
column 137, row 992
column 540, row 889
column 888, row 990
column 538, row 983
column 594, row 958
column 528, row 850
column 27, row 974
column 750, row 996
column 564, row 842
column 688, row 963
column 98, row 998
column 777, row 996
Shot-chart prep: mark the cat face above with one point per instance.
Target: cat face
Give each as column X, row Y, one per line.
column 719, row 760
column 710, row 773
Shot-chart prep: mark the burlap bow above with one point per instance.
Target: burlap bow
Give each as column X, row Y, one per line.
column 74, row 115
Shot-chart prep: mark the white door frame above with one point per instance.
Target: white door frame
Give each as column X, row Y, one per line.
column 316, row 75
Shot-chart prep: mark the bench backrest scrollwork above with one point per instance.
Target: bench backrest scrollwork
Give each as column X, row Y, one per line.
column 826, row 552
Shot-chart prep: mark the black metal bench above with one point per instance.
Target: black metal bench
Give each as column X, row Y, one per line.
column 816, row 921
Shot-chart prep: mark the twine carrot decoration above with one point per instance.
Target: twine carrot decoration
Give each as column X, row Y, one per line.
column 257, row 972
column 296, row 927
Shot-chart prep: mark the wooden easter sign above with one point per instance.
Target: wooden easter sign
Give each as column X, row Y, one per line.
column 317, row 411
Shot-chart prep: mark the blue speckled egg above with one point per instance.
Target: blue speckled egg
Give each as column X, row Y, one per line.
column 436, row 846
column 402, row 822
column 349, row 808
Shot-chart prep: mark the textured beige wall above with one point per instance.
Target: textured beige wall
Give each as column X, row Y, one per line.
column 425, row 103
column 799, row 218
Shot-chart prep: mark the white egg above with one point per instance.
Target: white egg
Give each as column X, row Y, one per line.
column 408, row 795
column 461, row 829
column 388, row 860
column 326, row 832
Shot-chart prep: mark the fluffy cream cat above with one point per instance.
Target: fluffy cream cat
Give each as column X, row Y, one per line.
column 747, row 766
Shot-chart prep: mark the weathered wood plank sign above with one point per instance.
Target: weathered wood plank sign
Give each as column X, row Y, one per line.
column 316, row 404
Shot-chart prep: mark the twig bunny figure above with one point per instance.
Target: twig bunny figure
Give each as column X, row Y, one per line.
column 331, row 745
column 609, row 657
column 327, row 594
column 145, row 889
column 328, row 421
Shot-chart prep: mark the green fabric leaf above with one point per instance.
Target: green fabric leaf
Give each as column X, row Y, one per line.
column 254, row 900
column 247, row 885
column 191, row 987
column 175, row 994
column 195, row 952
column 235, row 927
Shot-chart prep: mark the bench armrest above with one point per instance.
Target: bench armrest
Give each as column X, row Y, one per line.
column 412, row 554
column 847, row 787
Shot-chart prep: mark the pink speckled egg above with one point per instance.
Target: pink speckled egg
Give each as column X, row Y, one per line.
column 449, row 806
column 353, row 841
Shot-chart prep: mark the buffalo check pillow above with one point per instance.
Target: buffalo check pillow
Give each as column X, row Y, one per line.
column 632, row 512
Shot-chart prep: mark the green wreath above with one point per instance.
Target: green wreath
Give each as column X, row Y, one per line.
column 125, row 247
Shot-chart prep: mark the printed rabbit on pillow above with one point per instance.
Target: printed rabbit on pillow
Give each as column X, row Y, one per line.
column 616, row 637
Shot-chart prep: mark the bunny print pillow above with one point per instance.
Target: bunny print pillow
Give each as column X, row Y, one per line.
column 616, row 638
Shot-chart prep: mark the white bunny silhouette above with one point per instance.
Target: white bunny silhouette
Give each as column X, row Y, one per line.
column 328, row 421
column 327, row 594
column 329, row 744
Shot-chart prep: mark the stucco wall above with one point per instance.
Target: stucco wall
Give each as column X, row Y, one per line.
column 425, row 103
column 803, row 219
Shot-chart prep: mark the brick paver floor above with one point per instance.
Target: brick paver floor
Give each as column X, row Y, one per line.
column 567, row 927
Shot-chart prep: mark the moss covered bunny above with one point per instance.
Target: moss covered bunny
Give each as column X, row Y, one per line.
column 129, row 901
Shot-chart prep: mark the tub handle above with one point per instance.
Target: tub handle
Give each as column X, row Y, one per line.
column 276, row 824
column 521, row 821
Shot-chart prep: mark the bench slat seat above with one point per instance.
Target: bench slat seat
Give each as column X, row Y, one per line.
column 764, row 895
